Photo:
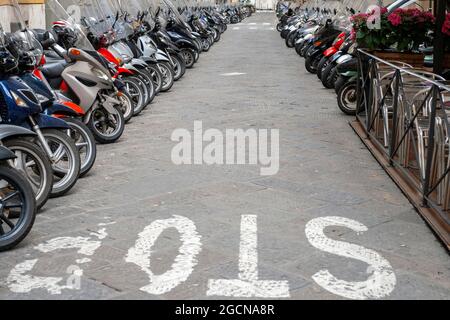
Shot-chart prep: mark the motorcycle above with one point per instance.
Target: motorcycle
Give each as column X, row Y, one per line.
column 84, row 77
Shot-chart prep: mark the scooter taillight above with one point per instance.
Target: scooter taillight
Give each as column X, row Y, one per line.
column 37, row 73
column 43, row 61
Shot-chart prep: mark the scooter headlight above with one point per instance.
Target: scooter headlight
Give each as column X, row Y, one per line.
column 99, row 73
column 18, row 100
column 41, row 98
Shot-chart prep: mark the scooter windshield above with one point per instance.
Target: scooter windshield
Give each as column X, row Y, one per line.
column 171, row 11
column 16, row 29
column 66, row 19
column 143, row 10
column 118, row 19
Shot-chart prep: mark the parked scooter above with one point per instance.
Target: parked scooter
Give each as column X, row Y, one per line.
column 84, row 77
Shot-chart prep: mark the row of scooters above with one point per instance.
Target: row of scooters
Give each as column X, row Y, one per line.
column 323, row 37
column 65, row 89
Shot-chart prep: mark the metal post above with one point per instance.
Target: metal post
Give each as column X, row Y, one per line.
column 430, row 151
column 392, row 146
column 439, row 43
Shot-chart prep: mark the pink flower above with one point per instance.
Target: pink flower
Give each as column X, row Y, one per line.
column 399, row 11
column 414, row 12
column 384, row 10
column 428, row 16
column 395, row 19
column 446, row 27
column 353, row 34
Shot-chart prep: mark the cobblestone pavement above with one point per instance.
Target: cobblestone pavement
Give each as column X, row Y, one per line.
column 80, row 245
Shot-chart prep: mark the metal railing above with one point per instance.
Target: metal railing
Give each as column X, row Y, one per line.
column 405, row 113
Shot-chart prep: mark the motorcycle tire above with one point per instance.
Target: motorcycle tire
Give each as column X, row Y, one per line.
column 135, row 88
column 279, row 27
column 346, row 96
column 311, row 64
column 299, row 47
column 41, row 170
column 168, row 76
column 341, row 80
column 16, row 232
column 323, row 63
column 180, row 66
column 331, row 79
column 326, row 74
column 197, row 55
column 205, row 45
column 290, row 39
column 85, row 143
column 99, row 115
column 218, row 37
column 156, row 77
column 146, row 76
column 305, row 49
column 189, row 57
column 64, row 179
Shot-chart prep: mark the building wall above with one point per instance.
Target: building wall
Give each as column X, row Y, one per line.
column 265, row 4
column 33, row 11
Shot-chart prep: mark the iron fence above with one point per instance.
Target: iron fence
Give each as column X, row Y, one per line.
column 405, row 114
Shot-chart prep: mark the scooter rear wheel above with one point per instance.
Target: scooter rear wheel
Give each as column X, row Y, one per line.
column 66, row 161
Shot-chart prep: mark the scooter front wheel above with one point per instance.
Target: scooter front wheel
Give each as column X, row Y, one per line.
column 189, row 57
column 85, row 143
column 347, row 98
column 65, row 160
column 134, row 87
column 279, row 27
column 17, row 208
column 35, row 166
column 156, row 77
column 180, row 66
column 168, row 76
column 106, row 127
column 311, row 64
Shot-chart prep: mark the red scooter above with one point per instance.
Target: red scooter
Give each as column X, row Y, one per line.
column 328, row 54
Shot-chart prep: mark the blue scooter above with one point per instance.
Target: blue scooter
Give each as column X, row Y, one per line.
column 20, row 106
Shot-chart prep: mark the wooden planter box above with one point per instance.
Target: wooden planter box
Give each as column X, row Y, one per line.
column 414, row 59
column 447, row 61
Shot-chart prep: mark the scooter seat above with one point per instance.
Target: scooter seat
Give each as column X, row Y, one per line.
column 52, row 56
column 53, row 69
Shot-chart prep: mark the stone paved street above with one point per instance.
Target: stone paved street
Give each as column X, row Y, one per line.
column 248, row 80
